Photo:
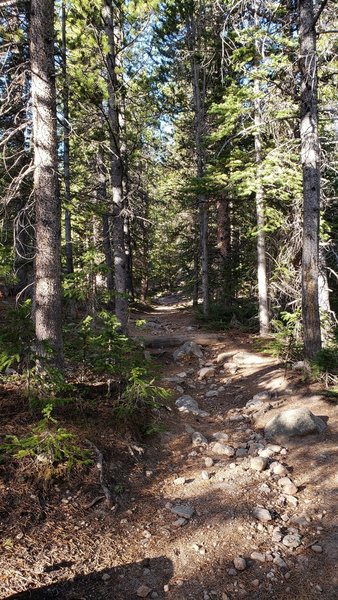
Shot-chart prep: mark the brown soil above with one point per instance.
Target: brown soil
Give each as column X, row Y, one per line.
column 57, row 543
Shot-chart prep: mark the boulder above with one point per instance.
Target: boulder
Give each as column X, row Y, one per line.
column 294, row 422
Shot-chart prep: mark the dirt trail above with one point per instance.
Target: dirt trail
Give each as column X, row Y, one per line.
column 185, row 513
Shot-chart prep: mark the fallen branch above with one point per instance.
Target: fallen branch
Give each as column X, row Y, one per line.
column 107, row 493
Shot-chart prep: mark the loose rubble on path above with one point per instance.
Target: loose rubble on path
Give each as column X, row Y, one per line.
column 235, row 499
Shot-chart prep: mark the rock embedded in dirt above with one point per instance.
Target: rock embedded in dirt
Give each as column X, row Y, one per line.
column 187, row 350
column 262, row 514
column 260, row 556
column 221, row 357
column 208, row 461
column 180, row 522
column 185, row 511
column 179, row 481
column 317, row 548
column 211, row 394
column 258, row 463
column 292, row 540
column 239, row 563
column 205, row 475
column 278, row 469
column 277, row 535
column 294, row 422
column 247, row 359
column 220, row 436
column 189, row 405
column 223, row 449
column 241, row 452
column 198, row 439
column 143, row 591
column 205, row 372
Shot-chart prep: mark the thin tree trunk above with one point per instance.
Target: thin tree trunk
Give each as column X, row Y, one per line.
column 102, row 197
column 48, row 324
column 224, row 247
column 199, row 90
column 310, row 155
column 263, row 308
column 121, row 303
column 66, row 154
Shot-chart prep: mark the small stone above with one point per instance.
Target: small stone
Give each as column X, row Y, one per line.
column 219, row 448
column 208, row 462
column 225, row 596
column 317, row 548
column 220, row 436
column 198, row 439
column 277, row 535
column 105, row 577
column 232, row 572
column 221, row 357
column 287, row 575
column 265, row 453
column 143, row 591
column 166, row 588
column 262, row 514
column 240, row 452
column 292, row 540
column 211, row 394
column 278, row 469
column 205, row 475
column 179, row 481
column 260, row 556
column 274, row 448
column 180, row 522
column 258, row 463
column 239, row 563
column 255, row 583
column 280, row 562
column 205, row 372
column 184, row 511
column 290, row 489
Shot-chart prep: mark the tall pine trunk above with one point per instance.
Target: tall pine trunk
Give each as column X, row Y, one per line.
column 262, row 279
column 310, row 156
column 121, row 303
column 66, row 153
column 48, row 325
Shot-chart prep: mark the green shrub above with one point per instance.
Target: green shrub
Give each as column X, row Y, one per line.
column 48, row 444
column 140, row 394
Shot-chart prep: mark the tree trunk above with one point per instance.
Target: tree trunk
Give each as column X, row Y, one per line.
column 66, row 134
column 102, row 197
column 48, row 323
column 198, row 75
column 310, row 156
column 263, row 309
column 224, row 248
column 121, row 303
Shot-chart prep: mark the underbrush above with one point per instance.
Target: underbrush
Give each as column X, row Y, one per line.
column 239, row 314
column 97, row 355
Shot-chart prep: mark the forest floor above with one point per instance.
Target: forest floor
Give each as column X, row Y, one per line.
column 58, row 543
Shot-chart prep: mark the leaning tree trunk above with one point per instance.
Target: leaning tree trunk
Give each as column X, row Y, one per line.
column 310, row 155
column 121, row 302
column 48, row 326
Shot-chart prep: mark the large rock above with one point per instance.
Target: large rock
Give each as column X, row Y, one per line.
column 294, row 422
column 187, row 350
column 246, row 359
column 188, row 405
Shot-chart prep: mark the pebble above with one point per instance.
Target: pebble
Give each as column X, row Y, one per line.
column 208, row 462
column 260, row 556
column 262, row 514
column 290, row 489
column 206, row 372
column 219, row 448
column 205, row 475
column 264, row 488
column 211, row 394
column 265, row 453
column 239, row 563
column 292, row 540
column 166, row 588
column 241, row 452
column 220, row 436
column 277, row 535
column 198, row 439
column 255, row 583
column 105, row 577
column 258, row 463
column 179, row 480
column 278, row 469
column 180, row 522
column 143, row 591
column 280, row 562
column 317, row 548
column 184, row 511
column 231, row 571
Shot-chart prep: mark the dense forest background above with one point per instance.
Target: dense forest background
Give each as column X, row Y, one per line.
column 152, row 147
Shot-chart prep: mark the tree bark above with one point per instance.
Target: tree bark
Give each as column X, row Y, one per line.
column 121, row 302
column 263, row 308
column 310, row 157
column 66, row 154
column 106, row 242
column 48, row 323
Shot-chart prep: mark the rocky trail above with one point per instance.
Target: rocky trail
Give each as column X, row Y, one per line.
column 226, row 501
